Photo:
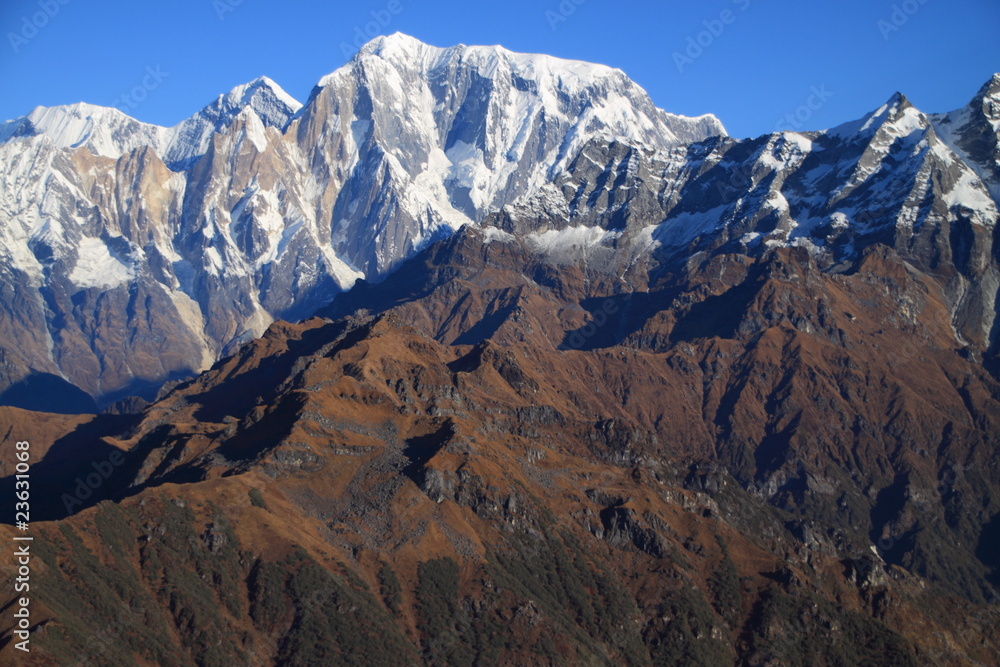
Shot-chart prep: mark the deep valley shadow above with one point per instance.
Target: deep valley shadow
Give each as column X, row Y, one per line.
column 45, row 392
column 78, row 471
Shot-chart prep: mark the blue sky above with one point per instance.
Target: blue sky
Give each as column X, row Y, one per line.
column 750, row 62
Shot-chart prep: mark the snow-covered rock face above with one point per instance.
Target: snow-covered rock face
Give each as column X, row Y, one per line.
column 452, row 135
column 973, row 133
column 888, row 172
column 891, row 177
column 131, row 253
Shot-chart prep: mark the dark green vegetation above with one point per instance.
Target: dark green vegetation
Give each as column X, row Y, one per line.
column 585, row 603
column 390, row 588
column 194, row 589
column 541, row 598
column 812, row 632
column 257, row 498
column 689, row 635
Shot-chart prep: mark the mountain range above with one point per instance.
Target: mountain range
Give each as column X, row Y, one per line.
column 481, row 358
column 195, row 238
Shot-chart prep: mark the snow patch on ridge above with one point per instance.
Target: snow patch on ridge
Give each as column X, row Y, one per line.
column 580, row 238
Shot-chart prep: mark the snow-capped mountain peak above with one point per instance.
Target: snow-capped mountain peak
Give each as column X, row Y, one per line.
column 486, row 60
column 267, row 99
column 991, row 88
column 897, row 116
column 189, row 140
column 396, row 42
column 464, row 131
column 104, row 131
column 564, row 87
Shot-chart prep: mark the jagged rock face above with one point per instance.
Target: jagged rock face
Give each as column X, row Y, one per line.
column 118, row 258
column 411, row 142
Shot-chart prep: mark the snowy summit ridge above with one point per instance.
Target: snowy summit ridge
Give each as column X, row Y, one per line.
column 110, row 132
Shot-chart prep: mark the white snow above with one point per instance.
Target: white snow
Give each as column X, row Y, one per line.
column 254, row 130
column 889, row 118
column 571, row 238
column 970, row 194
column 491, row 234
column 948, row 126
column 243, row 95
column 468, row 170
column 96, row 266
column 681, row 228
column 213, row 261
column 839, row 220
column 560, row 104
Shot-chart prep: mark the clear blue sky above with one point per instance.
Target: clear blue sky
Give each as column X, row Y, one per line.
column 759, row 67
